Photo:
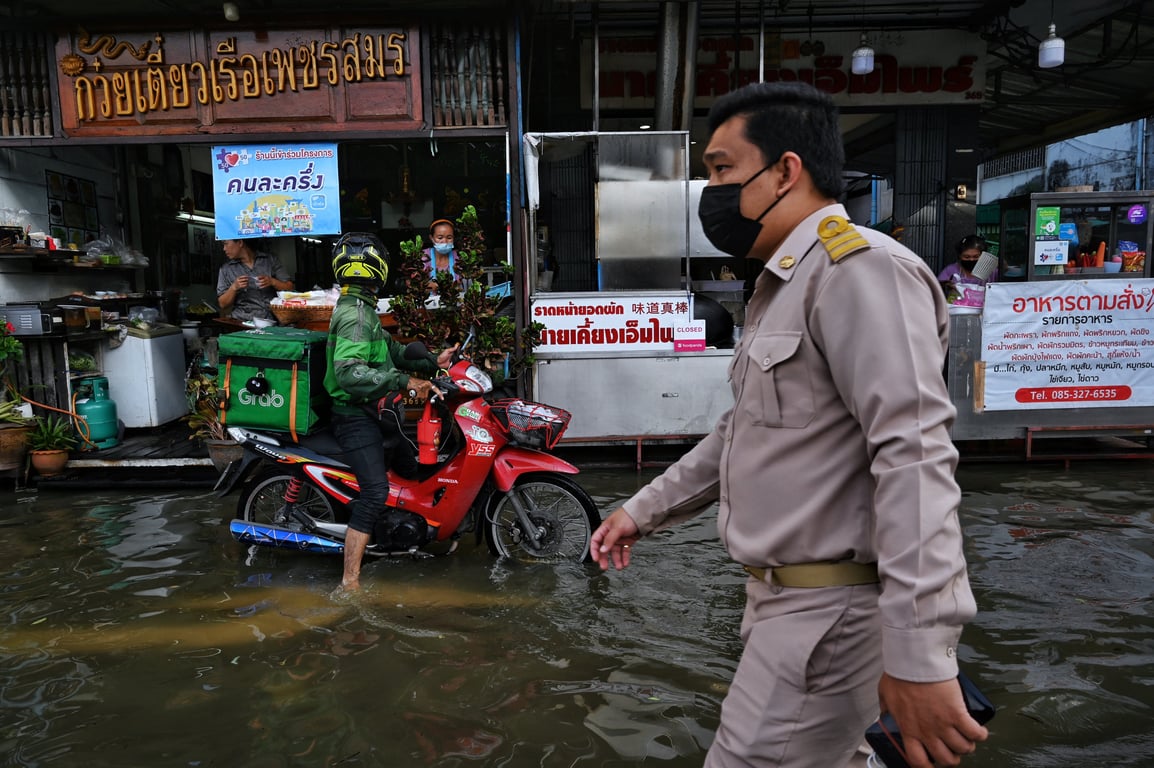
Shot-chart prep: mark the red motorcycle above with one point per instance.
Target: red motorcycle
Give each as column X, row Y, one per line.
column 483, row 467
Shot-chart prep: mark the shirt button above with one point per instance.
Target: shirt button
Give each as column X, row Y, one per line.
column 950, row 652
column 765, row 361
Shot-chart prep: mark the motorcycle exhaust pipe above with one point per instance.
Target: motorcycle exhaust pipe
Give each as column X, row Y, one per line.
column 278, row 537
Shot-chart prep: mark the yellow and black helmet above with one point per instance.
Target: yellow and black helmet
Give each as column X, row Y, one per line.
column 360, row 257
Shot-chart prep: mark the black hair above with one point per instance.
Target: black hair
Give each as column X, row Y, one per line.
column 970, row 241
column 790, row 117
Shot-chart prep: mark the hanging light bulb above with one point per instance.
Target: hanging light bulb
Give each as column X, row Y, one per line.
column 1052, row 50
column 863, row 58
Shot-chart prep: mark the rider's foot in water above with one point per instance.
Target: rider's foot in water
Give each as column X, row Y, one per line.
column 345, row 590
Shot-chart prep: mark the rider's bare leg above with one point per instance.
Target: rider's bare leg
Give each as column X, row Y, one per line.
column 355, row 543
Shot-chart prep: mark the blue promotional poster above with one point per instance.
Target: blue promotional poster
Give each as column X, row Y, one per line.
column 277, row 190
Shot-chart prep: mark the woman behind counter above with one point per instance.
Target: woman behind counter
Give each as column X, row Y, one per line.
column 441, row 256
column 969, row 250
column 248, row 281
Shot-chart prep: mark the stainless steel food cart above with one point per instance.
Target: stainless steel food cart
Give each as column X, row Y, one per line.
column 615, row 257
column 1082, row 338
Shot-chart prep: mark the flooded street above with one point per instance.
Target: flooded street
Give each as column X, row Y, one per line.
column 135, row 632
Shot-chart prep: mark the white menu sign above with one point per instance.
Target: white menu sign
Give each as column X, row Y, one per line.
column 1068, row 344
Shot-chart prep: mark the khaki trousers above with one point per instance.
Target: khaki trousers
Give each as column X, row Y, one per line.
column 806, row 686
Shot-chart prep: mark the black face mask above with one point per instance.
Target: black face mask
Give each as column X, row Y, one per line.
column 722, row 221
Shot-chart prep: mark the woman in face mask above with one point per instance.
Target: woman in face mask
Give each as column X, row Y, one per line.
column 441, row 256
column 969, row 250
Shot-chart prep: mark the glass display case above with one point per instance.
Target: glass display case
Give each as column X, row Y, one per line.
column 1089, row 235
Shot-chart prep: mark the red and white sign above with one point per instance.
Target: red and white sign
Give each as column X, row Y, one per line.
column 1068, row 344
column 689, row 337
column 910, row 67
column 610, row 322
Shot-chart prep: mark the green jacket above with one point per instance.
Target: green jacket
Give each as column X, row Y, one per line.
column 364, row 362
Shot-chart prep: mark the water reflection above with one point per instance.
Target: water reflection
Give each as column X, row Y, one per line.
column 134, row 631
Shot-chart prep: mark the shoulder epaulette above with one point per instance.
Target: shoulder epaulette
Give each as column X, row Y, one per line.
column 840, row 237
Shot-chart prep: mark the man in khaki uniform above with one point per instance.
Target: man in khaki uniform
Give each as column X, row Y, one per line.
column 834, row 470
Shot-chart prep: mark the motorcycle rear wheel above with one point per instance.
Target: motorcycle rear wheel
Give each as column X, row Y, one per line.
column 263, row 500
column 561, row 510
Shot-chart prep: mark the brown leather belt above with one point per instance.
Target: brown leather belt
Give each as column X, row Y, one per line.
column 811, row 575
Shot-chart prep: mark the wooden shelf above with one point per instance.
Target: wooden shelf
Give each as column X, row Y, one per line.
column 43, row 258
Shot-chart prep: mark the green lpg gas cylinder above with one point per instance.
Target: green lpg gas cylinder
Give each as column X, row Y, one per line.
column 99, row 412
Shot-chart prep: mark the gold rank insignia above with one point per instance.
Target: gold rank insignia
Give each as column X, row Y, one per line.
column 786, row 262
column 840, row 238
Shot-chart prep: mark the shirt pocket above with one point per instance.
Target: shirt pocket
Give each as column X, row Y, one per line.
column 777, row 388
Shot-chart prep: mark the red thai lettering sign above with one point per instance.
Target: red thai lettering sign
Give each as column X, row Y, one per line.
column 616, row 322
column 910, row 67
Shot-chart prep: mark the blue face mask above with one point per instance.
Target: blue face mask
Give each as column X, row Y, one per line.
column 443, row 248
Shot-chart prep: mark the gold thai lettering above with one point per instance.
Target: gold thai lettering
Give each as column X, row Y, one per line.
column 352, row 58
column 225, row 68
column 85, row 106
column 181, row 92
column 395, row 44
column 139, row 91
column 157, row 91
column 227, row 75
column 200, row 73
column 328, row 58
column 249, row 76
column 374, row 57
column 122, row 94
column 265, row 77
column 307, row 58
column 214, row 81
column 286, row 74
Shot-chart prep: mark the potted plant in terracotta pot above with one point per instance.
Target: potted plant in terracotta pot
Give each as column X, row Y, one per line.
column 14, row 426
column 49, row 441
column 204, row 417
column 14, row 429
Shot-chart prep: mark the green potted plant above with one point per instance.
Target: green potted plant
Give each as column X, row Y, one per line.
column 49, row 441
column 499, row 348
column 203, row 417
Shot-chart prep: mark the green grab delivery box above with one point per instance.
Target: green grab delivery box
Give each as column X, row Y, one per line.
column 273, row 378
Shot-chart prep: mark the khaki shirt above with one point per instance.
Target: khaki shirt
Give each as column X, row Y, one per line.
column 837, row 444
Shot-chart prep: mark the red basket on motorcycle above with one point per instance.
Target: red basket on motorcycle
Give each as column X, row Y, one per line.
column 532, row 425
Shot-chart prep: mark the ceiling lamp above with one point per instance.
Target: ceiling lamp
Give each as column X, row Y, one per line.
column 1052, row 50
column 231, row 11
column 863, row 58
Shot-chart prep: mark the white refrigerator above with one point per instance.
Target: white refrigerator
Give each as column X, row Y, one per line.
column 146, row 376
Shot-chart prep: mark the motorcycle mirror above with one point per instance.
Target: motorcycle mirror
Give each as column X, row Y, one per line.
column 468, row 340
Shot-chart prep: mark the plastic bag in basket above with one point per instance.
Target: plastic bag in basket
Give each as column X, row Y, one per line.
column 533, row 425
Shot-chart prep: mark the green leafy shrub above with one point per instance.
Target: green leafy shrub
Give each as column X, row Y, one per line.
column 51, row 433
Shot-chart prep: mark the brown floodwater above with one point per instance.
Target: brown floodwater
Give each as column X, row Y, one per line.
column 135, row 632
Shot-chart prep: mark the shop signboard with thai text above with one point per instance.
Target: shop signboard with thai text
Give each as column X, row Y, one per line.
column 323, row 80
column 911, row 67
column 610, row 322
column 1069, row 344
column 276, row 190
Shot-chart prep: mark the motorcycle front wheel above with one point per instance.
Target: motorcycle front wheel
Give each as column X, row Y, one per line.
column 561, row 513
column 263, row 500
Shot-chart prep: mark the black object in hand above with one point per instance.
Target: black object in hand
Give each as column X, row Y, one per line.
column 889, row 746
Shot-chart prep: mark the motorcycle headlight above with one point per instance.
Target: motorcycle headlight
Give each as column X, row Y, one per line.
column 477, row 380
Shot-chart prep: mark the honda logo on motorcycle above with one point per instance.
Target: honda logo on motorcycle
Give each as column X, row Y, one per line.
column 271, row 399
